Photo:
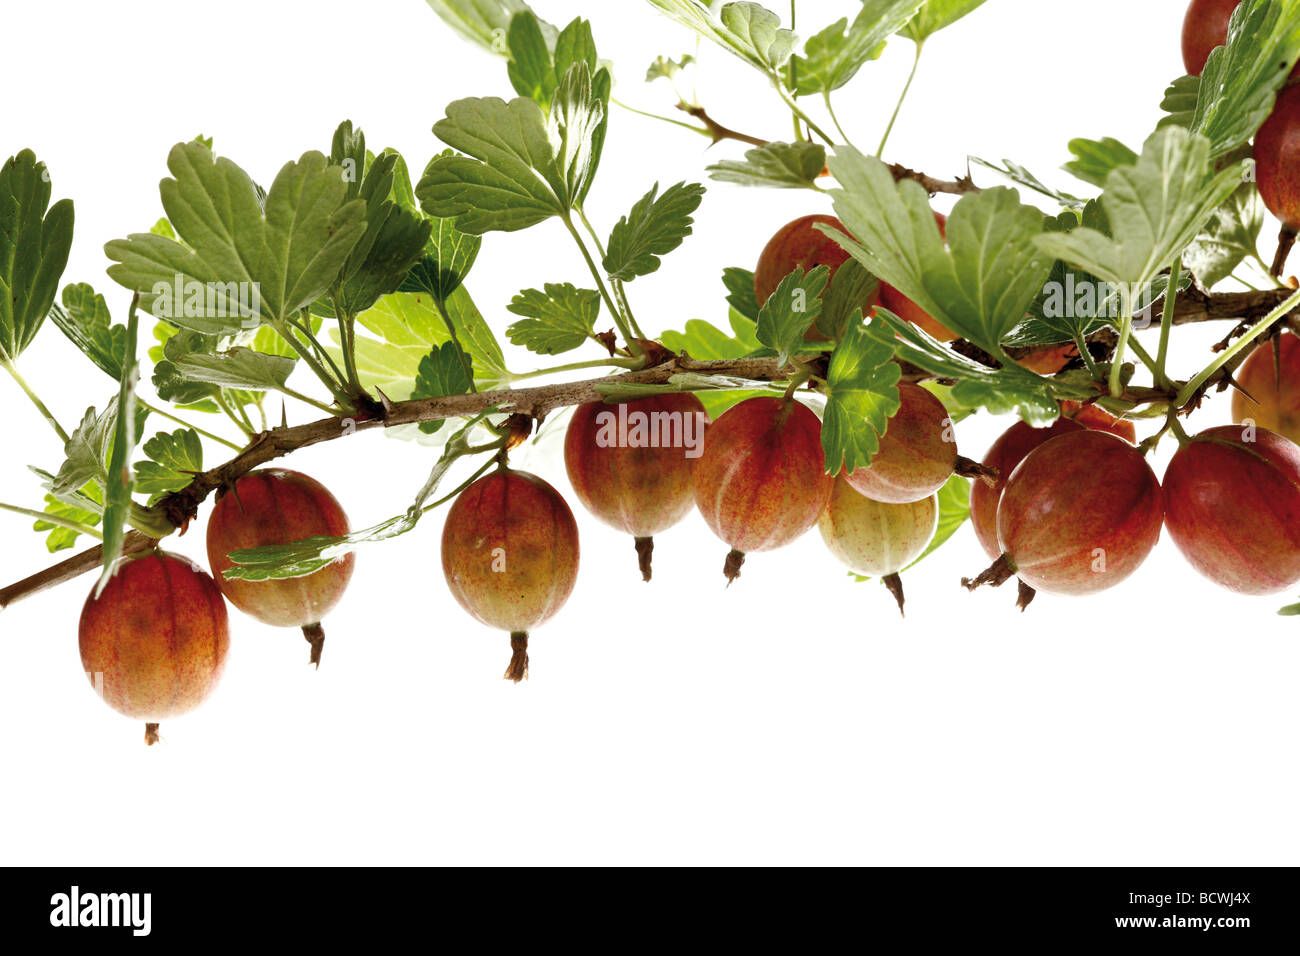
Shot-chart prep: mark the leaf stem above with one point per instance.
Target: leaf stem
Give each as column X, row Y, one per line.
column 830, row 111
column 245, row 426
column 154, row 409
column 1125, row 333
column 331, row 382
column 465, row 362
column 68, row 523
column 1232, row 351
column 1082, row 345
column 624, row 363
column 614, row 311
column 898, row 107
column 35, row 400
column 1167, row 323
column 616, row 284
column 798, row 111
column 664, row 119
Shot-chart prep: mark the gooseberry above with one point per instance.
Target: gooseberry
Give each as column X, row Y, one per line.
column 1265, row 397
column 917, row 452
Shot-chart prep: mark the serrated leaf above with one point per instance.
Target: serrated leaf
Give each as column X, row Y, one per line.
column 747, row 30
column 740, row 291
column 483, row 22
column 174, row 459
column 35, row 239
column 791, row 310
column 1180, row 102
column 1240, row 81
column 407, row 325
column 84, row 506
column 861, row 397
column 84, row 318
column 655, row 227
column 850, row 288
column 239, row 368
column 442, row 372
column 250, row 266
column 555, row 320
column 833, row 56
column 1023, row 177
column 980, row 286
column 666, row 68
column 447, row 259
column 779, row 165
column 936, row 15
column 508, row 181
column 577, row 116
column 121, row 480
column 1229, row 238
column 1155, row 209
column 1094, row 160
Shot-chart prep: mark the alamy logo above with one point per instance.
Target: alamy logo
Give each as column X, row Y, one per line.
column 638, row 429
column 189, row 298
column 102, row 910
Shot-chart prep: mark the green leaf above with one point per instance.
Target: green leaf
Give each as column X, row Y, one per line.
column 577, row 116
column 706, row 342
column 1240, row 81
column 246, row 266
column 740, row 291
column 480, row 21
column 236, row 368
column 747, row 30
column 1155, row 209
column 442, row 372
column 1230, row 237
column 121, row 480
column 447, row 259
column 779, row 165
column 937, row 14
column 666, row 68
column 1073, row 303
column 84, row 506
column 555, row 320
column 394, row 238
column 861, row 397
column 954, row 509
column 174, row 459
column 35, row 239
column 1095, row 159
column 833, row 56
column 655, row 227
column 84, row 318
column 791, row 310
column 1001, row 391
column 407, row 326
column 509, row 180
column 850, row 287
column 980, row 286
column 1023, row 177
column 1180, row 102
column 530, row 69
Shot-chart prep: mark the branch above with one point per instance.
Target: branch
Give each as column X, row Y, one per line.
column 182, row 506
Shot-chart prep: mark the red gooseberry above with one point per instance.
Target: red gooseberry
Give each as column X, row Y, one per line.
column 631, row 463
column 1232, row 506
column 510, row 555
column 154, row 642
column 761, row 482
column 273, row 507
column 917, row 452
column 1266, row 398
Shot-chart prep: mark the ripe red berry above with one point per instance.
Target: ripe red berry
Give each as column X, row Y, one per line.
column 1204, row 28
column 917, row 453
column 1265, row 398
column 631, row 464
column 1079, row 514
column 1233, row 507
column 800, row 245
column 276, row 507
column 761, row 482
column 154, row 642
column 510, row 555
column 875, row 539
column 905, row 308
column 1277, row 159
column 1008, row 451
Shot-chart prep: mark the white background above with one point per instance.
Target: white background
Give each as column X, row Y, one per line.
column 793, row 718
